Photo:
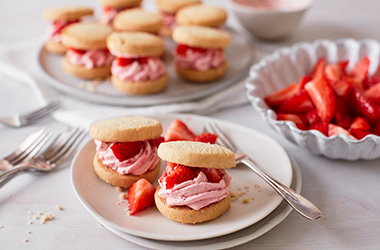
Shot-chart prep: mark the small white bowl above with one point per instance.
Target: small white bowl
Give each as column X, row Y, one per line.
column 288, row 65
column 270, row 24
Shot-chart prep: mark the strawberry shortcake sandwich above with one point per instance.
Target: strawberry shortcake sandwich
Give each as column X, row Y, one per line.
column 87, row 55
column 110, row 8
column 126, row 149
column 195, row 186
column 137, row 68
column 200, row 55
column 138, row 20
column 202, row 15
column 60, row 18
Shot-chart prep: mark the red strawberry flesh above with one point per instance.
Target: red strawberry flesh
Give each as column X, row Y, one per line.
column 126, row 150
column 140, row 196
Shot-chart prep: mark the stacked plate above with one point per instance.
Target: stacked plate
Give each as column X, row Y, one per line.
column 256, row 210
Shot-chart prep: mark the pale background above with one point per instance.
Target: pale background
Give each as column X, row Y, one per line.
column 346, row 192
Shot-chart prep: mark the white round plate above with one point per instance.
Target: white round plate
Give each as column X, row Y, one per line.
column 100, row 198
column 239, row 55
column 226, row 241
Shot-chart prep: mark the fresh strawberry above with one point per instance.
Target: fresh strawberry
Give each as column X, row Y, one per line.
column 213, row 175
column 298, row 119
column 360, row 123
column 373, row 80
column 359, row 134
column 179, row 174
column 360, row 71
column 303, row 81
column 140, row 195
column 78, row 51
column 354, row 81
column 333, row 72
column 322, row 95
column 182, row 49
column 322, row 127
column 126, row 150
column 312, row 117
column 337, row 130
column 319, row 68
column 298, row 103
column 122, row 61
column 365, row 107
column 142, row 60
column 376, row 129
column 373, row 93
column 178, row 131
column 206, row 137
column 274, row 100
column 342, row 116
column 342, row 89
column 156, row 142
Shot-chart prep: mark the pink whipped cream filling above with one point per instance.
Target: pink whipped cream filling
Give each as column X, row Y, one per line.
column 90, row 58
column 56, row 28
column 168, row 20
column 139, row 164
column 200, row 61
column 196, row 193
column 139, row 72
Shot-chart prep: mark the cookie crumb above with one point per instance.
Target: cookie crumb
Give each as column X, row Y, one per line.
column 30, row 222
column 232, row 195
column 28, row 232
column 123, row 196
column 58, row 207
column 40, row 213
column 25, row 240
column 119, row 189
column 46, row 217
column 245, row 201
column 1, row 227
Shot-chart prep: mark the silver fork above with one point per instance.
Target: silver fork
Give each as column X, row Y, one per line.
column 20, row 120
column 29, row 148
column 58, row 151
column 298, row 202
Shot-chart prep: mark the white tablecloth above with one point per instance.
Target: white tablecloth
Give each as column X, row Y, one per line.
column 346, row 192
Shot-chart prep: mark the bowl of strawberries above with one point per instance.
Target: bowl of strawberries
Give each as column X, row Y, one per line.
column 323, row 96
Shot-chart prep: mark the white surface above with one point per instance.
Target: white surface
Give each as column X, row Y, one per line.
column 94, row 193
column 230, row 240
column 239, row 54
column 285, row 66
column 346, row 192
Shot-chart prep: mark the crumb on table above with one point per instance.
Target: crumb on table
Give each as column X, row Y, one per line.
column 46, row 217
column 245, row 201
column 58, row 207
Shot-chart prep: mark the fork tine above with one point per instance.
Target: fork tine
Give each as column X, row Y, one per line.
column 42, row 112
column 69, row 147
column 59, row 143
column 223, row 137
column 32, row 150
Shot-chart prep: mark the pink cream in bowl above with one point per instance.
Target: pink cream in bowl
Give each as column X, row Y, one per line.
column 89, row 58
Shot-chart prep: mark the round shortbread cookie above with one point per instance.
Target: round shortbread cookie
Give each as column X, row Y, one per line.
column 67, row 13
column 86, row 35
column 186, row 215
column 55, row 48
column 202, row 15
column 120, row 3
column 137, row 44
column 196, row 154
column 138, row 20
column 165, row 31
column 126, row 129
column 112, row 177
column 85, row 73
column 172, row 6
column 140, row 88
column 202, row 37
column 202, row 76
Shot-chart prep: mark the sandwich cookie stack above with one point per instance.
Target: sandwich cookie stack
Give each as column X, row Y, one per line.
column 168, row 9
column 202, row 15
column 60, row 18
column 199, row 55
column 87, row 55
column 195, row 186
column 110, row 8
column 137, row 68
column 126, row 149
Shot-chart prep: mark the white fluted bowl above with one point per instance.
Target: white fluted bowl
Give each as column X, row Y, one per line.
column 288, row 65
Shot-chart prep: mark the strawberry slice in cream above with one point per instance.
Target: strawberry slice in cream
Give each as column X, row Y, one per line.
column 56, row 27
column 89, row 58
column 199, row 59
column 109, row 13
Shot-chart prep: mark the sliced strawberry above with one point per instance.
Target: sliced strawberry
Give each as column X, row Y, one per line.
column 213, row 175
column 342, row 116
column 303, row 81
column 359, row 134
column 206, row 138
column 179, row 174
column 278, row 97
column 354, row 81
column 298, row 119
column 142, row 60
column 126, row 150
column 182, row 49
column 298, row 103
column 178, row 131
column 322, row 95
column 342, row 89
column 333, row 72
column 360, row 123
column 373, row 80
column 122, row 61
column 78, row 51
column 140, row 196
column 337, row 130
column 322, row 127
column 376, row 129
column 373, row 93
column 365, row 107
column 319, row 68
column 156, row 142
column 361, row 69
column 312, row 116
